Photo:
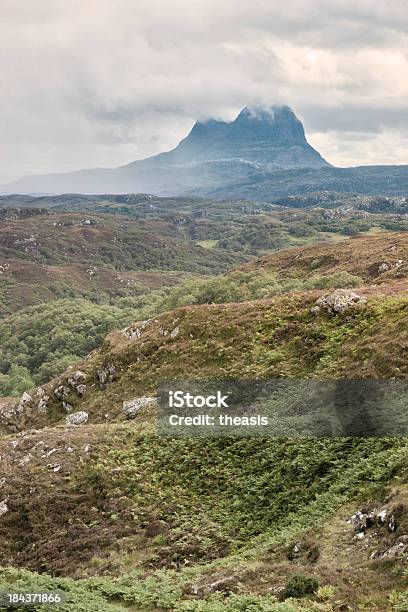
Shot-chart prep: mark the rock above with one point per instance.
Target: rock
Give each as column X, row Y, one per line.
column 106, row 374
column 24, row 402
column 362, row 520
column 77, row 418
column 294, row 551
column 77, row 379
column 175, row 332
column 386, row 265
column 359, row 536
column 3, row 507
column 77, row 382
column 337, row 302
column 67, row 407
column 135, row 332
column 79, row 376
column 133, row 406
column 396, row 550
column 224, row 585
column 81, row 390
column 381, row 517
column 42, row 406
column 61, row 391
column 392, row 524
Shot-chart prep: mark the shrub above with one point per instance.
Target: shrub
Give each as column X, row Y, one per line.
column 299, row 586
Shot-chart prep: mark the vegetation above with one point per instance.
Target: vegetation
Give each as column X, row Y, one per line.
column 40, row 342
column 300, row 585
column 119, row 518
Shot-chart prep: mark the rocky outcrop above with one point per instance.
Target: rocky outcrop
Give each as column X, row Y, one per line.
column 386, row 266
column 43, row 400
column 338, row 302
column 376, row 526
column 106, row 375
column 398, row 549
column 133, row 406
column 24, row 402
column 77, row 383
column 134, row 332
column 364, row 520
column 77, row 418
column 61, row 392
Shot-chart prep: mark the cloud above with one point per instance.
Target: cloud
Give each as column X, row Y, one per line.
column 100, row 83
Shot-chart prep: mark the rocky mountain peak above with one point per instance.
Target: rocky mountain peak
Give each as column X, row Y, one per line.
column 258, row 134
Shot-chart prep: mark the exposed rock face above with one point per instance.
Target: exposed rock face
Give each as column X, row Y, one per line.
column 43, row 400
column 24, row 402
column 385, row 266
column 106, row 374
column 223, row 585
column 133, row 406
column 399, row 549
column 175, row 332
column 338, row 302
column 42, row 404
column 265, row 135
column 77, row 418
column 67, row 406
column 77, row 383
column 364, row 521
column 134, row 332
column 61, row 392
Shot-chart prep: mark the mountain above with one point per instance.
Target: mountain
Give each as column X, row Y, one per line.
column 274, row 136
column 213, row 153
column 260, row 155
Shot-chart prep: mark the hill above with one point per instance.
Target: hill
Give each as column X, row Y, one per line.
column 46, row 255
column 187, row 524
column 119, row 517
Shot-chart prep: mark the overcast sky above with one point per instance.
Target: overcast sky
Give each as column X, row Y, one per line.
column 88, row 83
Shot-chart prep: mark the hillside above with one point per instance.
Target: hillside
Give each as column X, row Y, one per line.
column 46, row 255
column 121, row 518
column 131, row 533
column 78, row 325
column 120, row 247
column 376, row 258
